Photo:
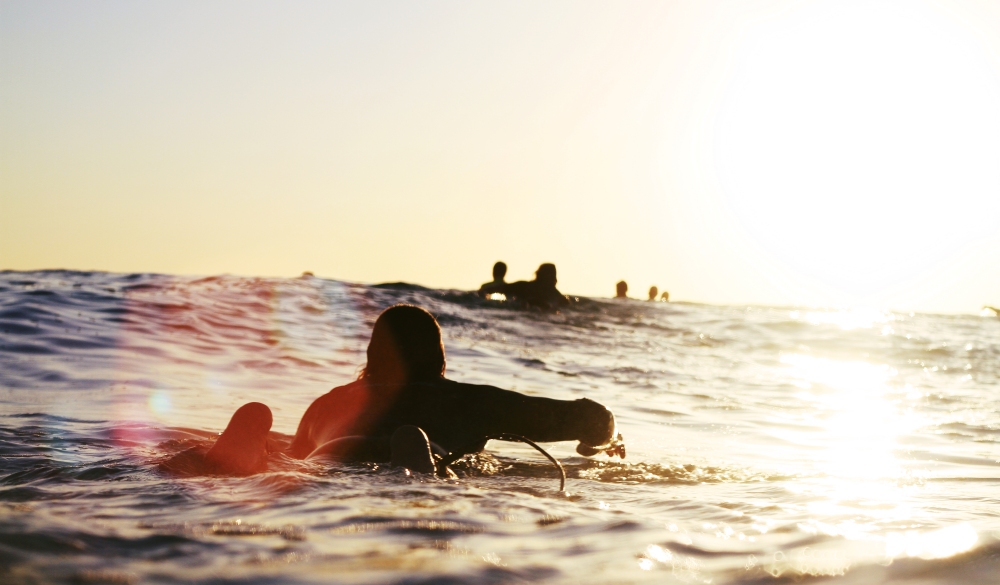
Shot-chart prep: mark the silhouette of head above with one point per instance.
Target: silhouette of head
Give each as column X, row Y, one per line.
column 652, row 293
column 621, row 288
column 499, row 271
column 405, row 347
column 546, row 274
column 665, row 296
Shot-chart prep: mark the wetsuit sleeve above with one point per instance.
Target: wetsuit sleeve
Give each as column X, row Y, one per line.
column 513, row 289
column 489, row 411
column 490, row 288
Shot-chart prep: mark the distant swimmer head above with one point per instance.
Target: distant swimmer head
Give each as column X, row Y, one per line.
column 621, row 289
column 405, row 347
column 499, row 271
column 653, row 291
column 546, row 274
column 665, row 296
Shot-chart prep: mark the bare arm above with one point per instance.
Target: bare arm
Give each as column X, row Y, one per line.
column 343, row 411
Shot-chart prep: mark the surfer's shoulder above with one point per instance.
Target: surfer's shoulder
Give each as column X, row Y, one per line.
column 358, row 385
column 335, row 397
column 492, row 287
column 487, row 395
column 463, row 391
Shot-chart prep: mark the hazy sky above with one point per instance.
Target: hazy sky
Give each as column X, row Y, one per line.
column 780, row 152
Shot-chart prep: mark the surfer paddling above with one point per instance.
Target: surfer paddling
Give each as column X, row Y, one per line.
column 402, row 410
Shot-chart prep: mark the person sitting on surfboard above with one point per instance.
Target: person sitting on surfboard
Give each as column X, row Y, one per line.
column 498, row 283
column 402, row 410
column 540, row 292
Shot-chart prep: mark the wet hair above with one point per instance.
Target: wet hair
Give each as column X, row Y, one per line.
column 499, row 271
column 546, row 274
column 405, row 347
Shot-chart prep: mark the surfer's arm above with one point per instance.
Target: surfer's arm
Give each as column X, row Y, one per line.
column 490, row 288
column 331, row 416
column 303, row 443
column 543, row 419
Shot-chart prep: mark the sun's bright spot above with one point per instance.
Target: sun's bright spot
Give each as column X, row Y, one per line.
column 658, row 553
column 655, row 554
column 856, row 141
column 845, row 319
column 856, row 427
column 936, row 544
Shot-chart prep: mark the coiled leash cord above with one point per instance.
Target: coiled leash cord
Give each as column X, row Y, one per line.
column 442, row 465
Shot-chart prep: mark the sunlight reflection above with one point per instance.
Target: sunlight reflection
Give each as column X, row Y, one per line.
column 655, row 554
column 859, row 318
column 658, row 553
column 855, row 425
column 850, row 430
column 936, row 544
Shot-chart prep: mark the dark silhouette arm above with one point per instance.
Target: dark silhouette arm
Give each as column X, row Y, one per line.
column 468, row 412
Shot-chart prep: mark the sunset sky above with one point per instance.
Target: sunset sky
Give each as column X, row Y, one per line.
column 806, row 152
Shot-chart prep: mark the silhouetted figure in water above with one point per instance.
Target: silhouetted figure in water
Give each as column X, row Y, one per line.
column 402, row 410
column 653, row 291
column 665, row 296
column 621, row 290
column 498, row 283
column 541, row 292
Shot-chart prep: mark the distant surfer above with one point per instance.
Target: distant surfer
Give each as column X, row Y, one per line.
column 665, row 297
column 653, row 291
column 621, row 290
column 540, row 292
column 402, row 410
column 498, row 283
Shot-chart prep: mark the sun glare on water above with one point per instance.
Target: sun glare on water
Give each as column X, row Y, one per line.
column 855, row 420
column 855, row 425
column 859, row 318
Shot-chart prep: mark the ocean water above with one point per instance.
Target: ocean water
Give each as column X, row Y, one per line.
column 765, row 445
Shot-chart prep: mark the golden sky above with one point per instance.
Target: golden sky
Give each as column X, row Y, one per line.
column 817, row 152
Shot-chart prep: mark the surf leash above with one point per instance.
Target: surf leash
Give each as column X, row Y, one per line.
column 442, row 465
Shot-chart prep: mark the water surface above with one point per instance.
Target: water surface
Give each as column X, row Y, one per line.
column 765, row 444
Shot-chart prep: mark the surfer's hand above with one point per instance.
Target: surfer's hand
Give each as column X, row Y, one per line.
column 592, row 423
column 615, row 447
